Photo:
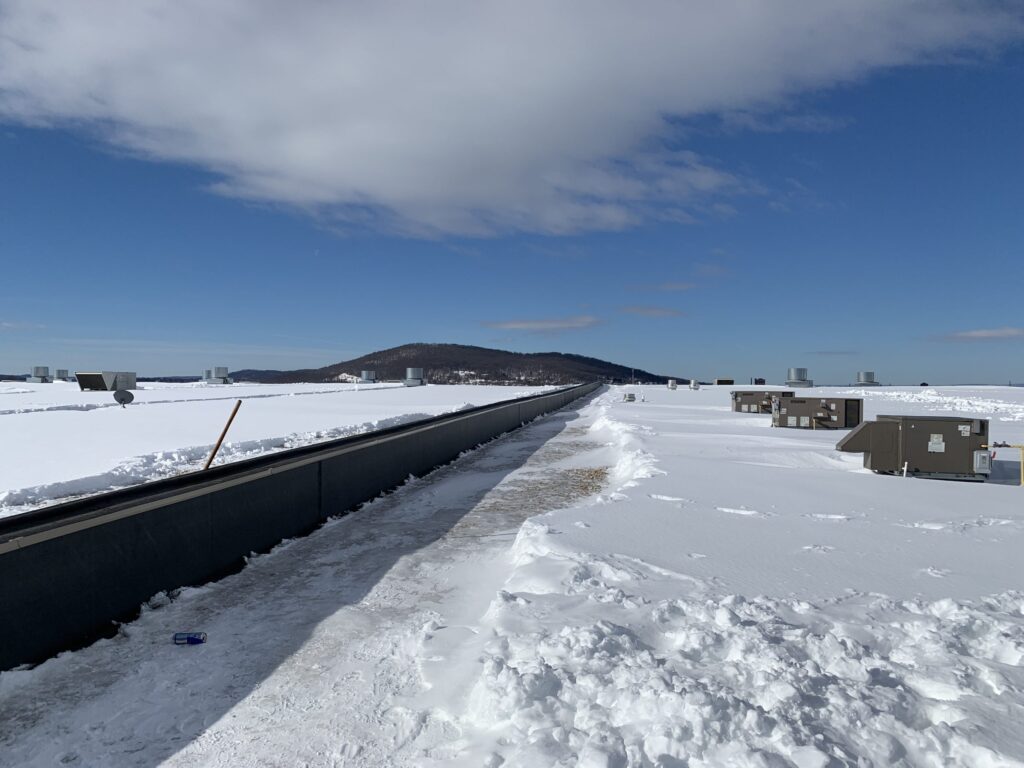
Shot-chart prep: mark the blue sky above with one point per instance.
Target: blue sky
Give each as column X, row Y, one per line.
column 869, row 218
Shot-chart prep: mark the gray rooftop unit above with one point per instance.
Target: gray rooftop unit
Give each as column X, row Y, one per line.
column 944, row 447
column 368, row 377
column 414, row 377
column 798, row 378
column 61, row 374
column 817, row 412
column 218, row 375
column 105, row 381
column 40, row 375
column 866, row 379
column 672, row 384
column 756, row 401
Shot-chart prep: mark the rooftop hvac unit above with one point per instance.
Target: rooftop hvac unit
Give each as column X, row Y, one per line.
column 756, row 401
column 866, row 379
column 672, row 384
column 40, row 374
column 218, row 375
column 368, row 377
column 414, row 377
column 105, row 381
column 798, row 378
column 945, row 447
column 61, row 373
column 694, row 384
column 817, row 413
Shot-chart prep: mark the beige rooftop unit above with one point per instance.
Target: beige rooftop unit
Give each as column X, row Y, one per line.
column 756, row 400
column 817, row 412
column 944, row 447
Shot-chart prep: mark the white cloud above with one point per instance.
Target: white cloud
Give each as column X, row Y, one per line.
column 987, row 334
column 454, row 116
column 553, row 325
column 647, row 311
column 19, row 326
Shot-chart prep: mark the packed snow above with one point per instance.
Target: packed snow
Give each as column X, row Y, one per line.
column 655, row 583
column 63, row 443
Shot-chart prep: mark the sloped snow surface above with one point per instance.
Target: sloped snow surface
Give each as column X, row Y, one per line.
column 658, row 583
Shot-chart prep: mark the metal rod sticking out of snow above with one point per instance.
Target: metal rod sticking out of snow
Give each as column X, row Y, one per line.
column 223, row 434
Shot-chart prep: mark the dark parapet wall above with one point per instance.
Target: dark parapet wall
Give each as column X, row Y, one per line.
column 68, row 571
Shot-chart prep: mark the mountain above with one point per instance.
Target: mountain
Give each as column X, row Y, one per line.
column 460, row 364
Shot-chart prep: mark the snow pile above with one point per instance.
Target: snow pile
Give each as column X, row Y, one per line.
column 590, row 670
column 614, row 642
column 955, row 402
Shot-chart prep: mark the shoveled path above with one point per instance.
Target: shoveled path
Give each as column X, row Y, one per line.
column 311, row 658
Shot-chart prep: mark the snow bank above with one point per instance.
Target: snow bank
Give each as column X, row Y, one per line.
column 619, row 638
column 951, row 400
column 65, row 443
column 599, row 671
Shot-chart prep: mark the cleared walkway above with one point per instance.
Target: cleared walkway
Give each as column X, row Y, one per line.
column 311, row 656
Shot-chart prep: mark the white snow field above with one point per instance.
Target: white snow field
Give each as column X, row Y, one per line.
column 658, row 583
column 61, row 443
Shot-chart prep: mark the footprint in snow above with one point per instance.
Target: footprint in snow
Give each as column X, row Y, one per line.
column 936, row 573
column 824, row 548
column 830, row 518
column 744, row 512
column 581, row 524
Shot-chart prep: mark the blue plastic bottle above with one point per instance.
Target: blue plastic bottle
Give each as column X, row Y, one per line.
column 189, row 638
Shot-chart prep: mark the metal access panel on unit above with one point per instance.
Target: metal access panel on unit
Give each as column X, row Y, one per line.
column 927, row 446
column 817, row 412
column 96, row 382
column 756, row 400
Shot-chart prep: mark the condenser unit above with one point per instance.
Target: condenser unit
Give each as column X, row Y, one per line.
column 817, row 413
column 755, row 401
column 944, row 447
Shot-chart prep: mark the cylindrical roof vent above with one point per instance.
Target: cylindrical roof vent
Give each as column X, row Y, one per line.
column 797, row 374
column 220, row 372
column 368, row 375
column 414, row 373
column 40, row 371
column 866, row 377
column 207, row 374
